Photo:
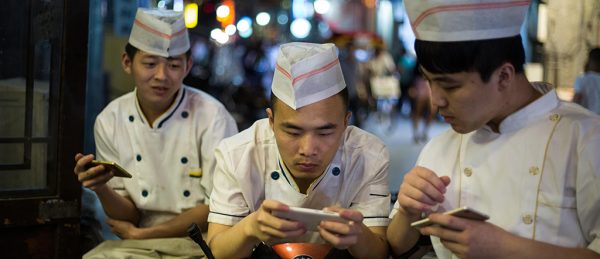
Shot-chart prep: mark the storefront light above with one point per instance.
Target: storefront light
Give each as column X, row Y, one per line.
column 322, row 6
column 191, row 15
column 263, row 18
column 300, row 28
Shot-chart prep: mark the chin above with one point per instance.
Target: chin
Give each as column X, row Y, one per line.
column 461, row 130
column 306, row 175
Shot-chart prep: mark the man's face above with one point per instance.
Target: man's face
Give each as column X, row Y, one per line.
column 157, row 78
column 309, row 137
column 464, row 100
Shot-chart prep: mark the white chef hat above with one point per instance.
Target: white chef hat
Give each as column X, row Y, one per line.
column 307, row 73
column 159, row 32
column 465, row 20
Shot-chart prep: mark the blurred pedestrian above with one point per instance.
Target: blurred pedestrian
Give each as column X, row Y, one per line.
column 406, row 65
column 422, row 109
column 385, row 86
column 587, row 86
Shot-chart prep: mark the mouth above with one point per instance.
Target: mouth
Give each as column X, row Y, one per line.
column 160, row 90
column 448, row 119
column 306, row 167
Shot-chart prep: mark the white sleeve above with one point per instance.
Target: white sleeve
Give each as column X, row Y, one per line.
column 104, row 134
column 394, row 209
column 222, row 126
column 227, row 203
column 373, row 201
column 588, row 186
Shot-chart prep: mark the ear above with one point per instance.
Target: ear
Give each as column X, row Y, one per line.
column 190, row 63
column 347, row 119
column 506, row 76
column 271, row 117
column 126, row 63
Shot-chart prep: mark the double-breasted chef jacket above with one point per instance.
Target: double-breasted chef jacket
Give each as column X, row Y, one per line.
column 250, row 170
column 172, row 160
column 538, row 178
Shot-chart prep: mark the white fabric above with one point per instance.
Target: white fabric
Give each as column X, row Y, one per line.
column 464, row 20
column 158, row 248
column 159, row 32
column 188, row 131
column 306, row 73
column 249, row 171
column 588, row 85
column 539, row 178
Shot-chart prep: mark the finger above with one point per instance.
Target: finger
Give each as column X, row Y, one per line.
column 429, row 189
column 413, row 206
column 269, row 232
column 267, row 219
column 110, row 222
column 338, row 241
column 352, row 215
column 421, row 195
column 91, row 173
column 431, row 177
column 450, row 222
column 78, row 156
column 82, row 162
column 270, row 205
column 445, row 179
column 441, row 232
column 97, row 181
column 350, row 228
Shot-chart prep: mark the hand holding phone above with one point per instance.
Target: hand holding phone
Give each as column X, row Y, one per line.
column 310, row 217
column 117, row 170
column 462, row 212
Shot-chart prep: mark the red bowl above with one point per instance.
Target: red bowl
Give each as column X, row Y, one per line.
column 301, row 250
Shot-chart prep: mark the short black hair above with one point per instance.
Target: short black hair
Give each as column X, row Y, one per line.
column 594, row 59
column 130, row 50
column 482, row 56
column 343, row 93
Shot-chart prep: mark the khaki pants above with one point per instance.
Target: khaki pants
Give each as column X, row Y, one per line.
column 168, row 248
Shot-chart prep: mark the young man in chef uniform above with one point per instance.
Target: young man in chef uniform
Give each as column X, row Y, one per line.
column 164, row 133
column 515, row 151
column 303, row 155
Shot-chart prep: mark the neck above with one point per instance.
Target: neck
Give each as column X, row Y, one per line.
column 152, row 111
column 519, row 95
column 303, row 184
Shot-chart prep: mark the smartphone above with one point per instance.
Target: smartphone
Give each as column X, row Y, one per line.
column 117, row 170
column 462, row 212
column 310, row 217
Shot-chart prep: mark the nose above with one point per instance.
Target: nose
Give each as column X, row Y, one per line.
column 160, row 72
column 438, row 100
column 308, row 145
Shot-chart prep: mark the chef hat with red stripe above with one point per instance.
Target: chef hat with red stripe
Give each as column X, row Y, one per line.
column 306, row 73
column 465, row 20
column 159, row 32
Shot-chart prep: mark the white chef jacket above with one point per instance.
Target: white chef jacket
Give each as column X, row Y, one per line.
column 250, row 170
column 538, row 178
column 172, row 161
